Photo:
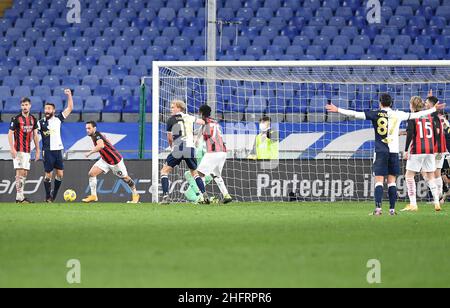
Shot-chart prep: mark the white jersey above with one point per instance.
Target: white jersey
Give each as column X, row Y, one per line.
column 51, row 133
column 181, row 126
column 386, row 123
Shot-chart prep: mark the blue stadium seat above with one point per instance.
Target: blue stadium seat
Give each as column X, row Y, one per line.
column 338, row 22
column 444, row 11
column 19, row 72
column 317, row 22
column 37, row 52
column 91, row 81
column 42, row 91
column 127, row 61
column 439, row 22
column 51, row 81
column 128, row 14
column 167, row 13
column 69, row 82
column 262, row 41
column 93, row 104
column 5, row 91
column 68, row 62
column 56, row 100
column 82, row 91
column 131, row 32
column 330, row 32
column 22, row 91
column 119, row 71
column 163, row 42
column 110, row 81
column 12, row 105
column 107, row 61
column 156, row 51
column 315, row 51
column 113, row 105
column 115, row 51
column 28, row 62
column 103, row 91
column 246, row 14
column 123, row 91
column 36, row 104
column 282, row 42
column 135, row 51
column 255, row 51
column 95, row 52
column 397, row 21
column 76, row 52
column 31, row 81
column 131, row 81
column 322, row 41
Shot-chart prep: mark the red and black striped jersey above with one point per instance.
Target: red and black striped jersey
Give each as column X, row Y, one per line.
column 212, row 134
column 441, row 142
column 421, row 136
column 109, row 153
column 23, row 128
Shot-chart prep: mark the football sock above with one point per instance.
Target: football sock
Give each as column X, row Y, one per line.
column 58, row 182
column 132, row 186
column 20, row 184
column 411, row 184
column 221, row 184
column 200, row 184
column 93, row 185
column 434, row 190
column 379, row 191
column 165, row 184
column 48, row 187
column 440, row 184
column 392, row 191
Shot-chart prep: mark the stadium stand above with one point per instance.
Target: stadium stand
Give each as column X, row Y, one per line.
column 103, row 57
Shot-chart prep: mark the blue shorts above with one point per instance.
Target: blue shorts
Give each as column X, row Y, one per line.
column 53, row 160
column 386, row 164
column 182, row 154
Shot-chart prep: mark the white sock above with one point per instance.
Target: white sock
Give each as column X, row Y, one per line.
column 411, row 184
column 93, row 185
column 440, row 186
column 434, row 190
column 221, row 184
column 20, row 184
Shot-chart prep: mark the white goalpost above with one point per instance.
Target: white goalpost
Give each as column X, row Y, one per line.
column 319, row 156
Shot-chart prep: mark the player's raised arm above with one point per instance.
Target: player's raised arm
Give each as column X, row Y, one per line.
column 350, row 113
column 417, row 115
column 69, row 109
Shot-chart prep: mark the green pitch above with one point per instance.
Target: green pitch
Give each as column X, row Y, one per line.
column 242, row 245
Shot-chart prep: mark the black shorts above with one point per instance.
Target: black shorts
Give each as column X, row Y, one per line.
column 386, row 164
column 182, row 154
column 53, row 160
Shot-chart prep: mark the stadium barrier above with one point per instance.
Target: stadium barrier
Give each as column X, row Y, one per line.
column 308, row 180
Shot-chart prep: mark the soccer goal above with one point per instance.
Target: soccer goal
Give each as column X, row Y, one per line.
column 314, row 156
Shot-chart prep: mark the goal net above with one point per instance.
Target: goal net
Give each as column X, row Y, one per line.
column 308, row 155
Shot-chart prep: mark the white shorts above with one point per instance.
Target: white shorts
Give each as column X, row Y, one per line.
column 212, row 163
column 119, row 170
column 440, row 158
column 421, row 162
column 22, row 161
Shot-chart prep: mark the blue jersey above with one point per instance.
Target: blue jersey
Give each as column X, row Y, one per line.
column 51, row 133
column 386, row 123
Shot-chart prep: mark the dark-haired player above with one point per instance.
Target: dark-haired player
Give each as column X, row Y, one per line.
column 216, row 152
column 386, row 123
column 111, row 160
column 22, row 131
column 441, row 124
column 52, row 146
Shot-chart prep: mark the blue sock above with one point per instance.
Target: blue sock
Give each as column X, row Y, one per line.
column 379, row 191
column 200, row 184
column 392, row 196
column 165, row 184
